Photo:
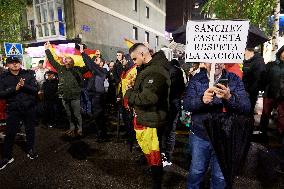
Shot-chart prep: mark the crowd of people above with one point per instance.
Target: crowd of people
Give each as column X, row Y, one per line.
column 149, row 92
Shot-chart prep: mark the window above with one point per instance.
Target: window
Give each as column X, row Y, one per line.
column 31, row 25
column 135, row 5
column 135, row 33
column 157, row 41
column 147, row 12
column 147, row 37
column 49, row 18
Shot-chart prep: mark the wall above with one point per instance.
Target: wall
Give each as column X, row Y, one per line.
column 106, row 32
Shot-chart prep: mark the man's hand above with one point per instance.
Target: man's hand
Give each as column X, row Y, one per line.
column 222, row 91
column 20, row 84
column 47, row 45
column 208, row 96
column 81, row 48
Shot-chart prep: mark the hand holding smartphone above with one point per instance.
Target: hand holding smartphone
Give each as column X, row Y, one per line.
column 222, row 90
column 222, row 81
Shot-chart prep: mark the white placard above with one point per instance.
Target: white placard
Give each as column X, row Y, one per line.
column 216, row 41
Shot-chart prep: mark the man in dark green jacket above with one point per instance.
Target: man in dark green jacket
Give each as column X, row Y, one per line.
column 71, row 77
column 150, row 97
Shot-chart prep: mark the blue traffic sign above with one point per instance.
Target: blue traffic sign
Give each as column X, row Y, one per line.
column 13, row 49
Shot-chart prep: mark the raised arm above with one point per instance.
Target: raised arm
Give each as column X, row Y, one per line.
column 50, row 57
column 90, row 63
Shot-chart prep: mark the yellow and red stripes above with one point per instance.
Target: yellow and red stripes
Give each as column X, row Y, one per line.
column 60, row 52
column 147, row 139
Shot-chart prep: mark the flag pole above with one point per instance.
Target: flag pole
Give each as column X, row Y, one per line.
column 211, row 76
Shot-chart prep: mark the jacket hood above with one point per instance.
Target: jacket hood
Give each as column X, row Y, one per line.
column 159, row 58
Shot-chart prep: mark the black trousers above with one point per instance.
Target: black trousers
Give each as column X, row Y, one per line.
column 50, row 115
column 98, row 114
column 13, row 121
column 127, row 117
column 253, row 99
column 169, row 132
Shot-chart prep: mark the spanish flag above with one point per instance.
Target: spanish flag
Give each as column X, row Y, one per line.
column 148, row 141
column 60, row 52
column 127, row 78
column 235, row 68
column 128, row 43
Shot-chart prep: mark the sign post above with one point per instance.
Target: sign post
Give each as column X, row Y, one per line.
column 13, row 49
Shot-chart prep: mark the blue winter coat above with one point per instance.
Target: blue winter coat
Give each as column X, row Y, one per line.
column 239, row 102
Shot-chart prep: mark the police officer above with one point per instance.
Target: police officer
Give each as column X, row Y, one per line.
column 19, row 88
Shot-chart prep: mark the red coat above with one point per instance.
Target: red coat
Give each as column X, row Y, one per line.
column 2, row 109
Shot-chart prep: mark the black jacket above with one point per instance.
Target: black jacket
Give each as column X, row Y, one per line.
column 50, row 89
column 177, row 81
column 23, row 99
column 70, row 79
column 150, row 95
column 117, row 71
column 273, row 78
column 252, row 70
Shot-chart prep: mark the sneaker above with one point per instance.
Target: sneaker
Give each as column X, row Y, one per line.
column 5, row 162
column 32, row 155
column 167, row 163
column 165, row 160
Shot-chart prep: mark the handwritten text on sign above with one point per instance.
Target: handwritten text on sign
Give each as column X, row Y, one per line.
column 216, row 41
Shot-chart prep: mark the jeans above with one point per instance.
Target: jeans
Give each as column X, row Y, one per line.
column 73, row 106
column 203, row 155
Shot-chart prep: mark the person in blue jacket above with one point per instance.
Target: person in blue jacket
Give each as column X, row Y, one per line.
column 96, row 92
column 201, row 100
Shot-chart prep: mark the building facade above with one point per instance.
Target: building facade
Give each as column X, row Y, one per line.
column 100, row 24
column 179, row 13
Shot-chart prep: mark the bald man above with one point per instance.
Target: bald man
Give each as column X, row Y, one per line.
column 150, row 99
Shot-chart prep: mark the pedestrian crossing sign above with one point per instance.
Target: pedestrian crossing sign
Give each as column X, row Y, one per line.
column 12, row 49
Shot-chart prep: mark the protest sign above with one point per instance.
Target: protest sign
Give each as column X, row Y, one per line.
column 216, row 41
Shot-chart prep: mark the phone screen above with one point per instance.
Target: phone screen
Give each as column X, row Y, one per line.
column 223, row 82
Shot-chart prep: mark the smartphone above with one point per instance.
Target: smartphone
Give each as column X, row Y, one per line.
column 223, row 81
